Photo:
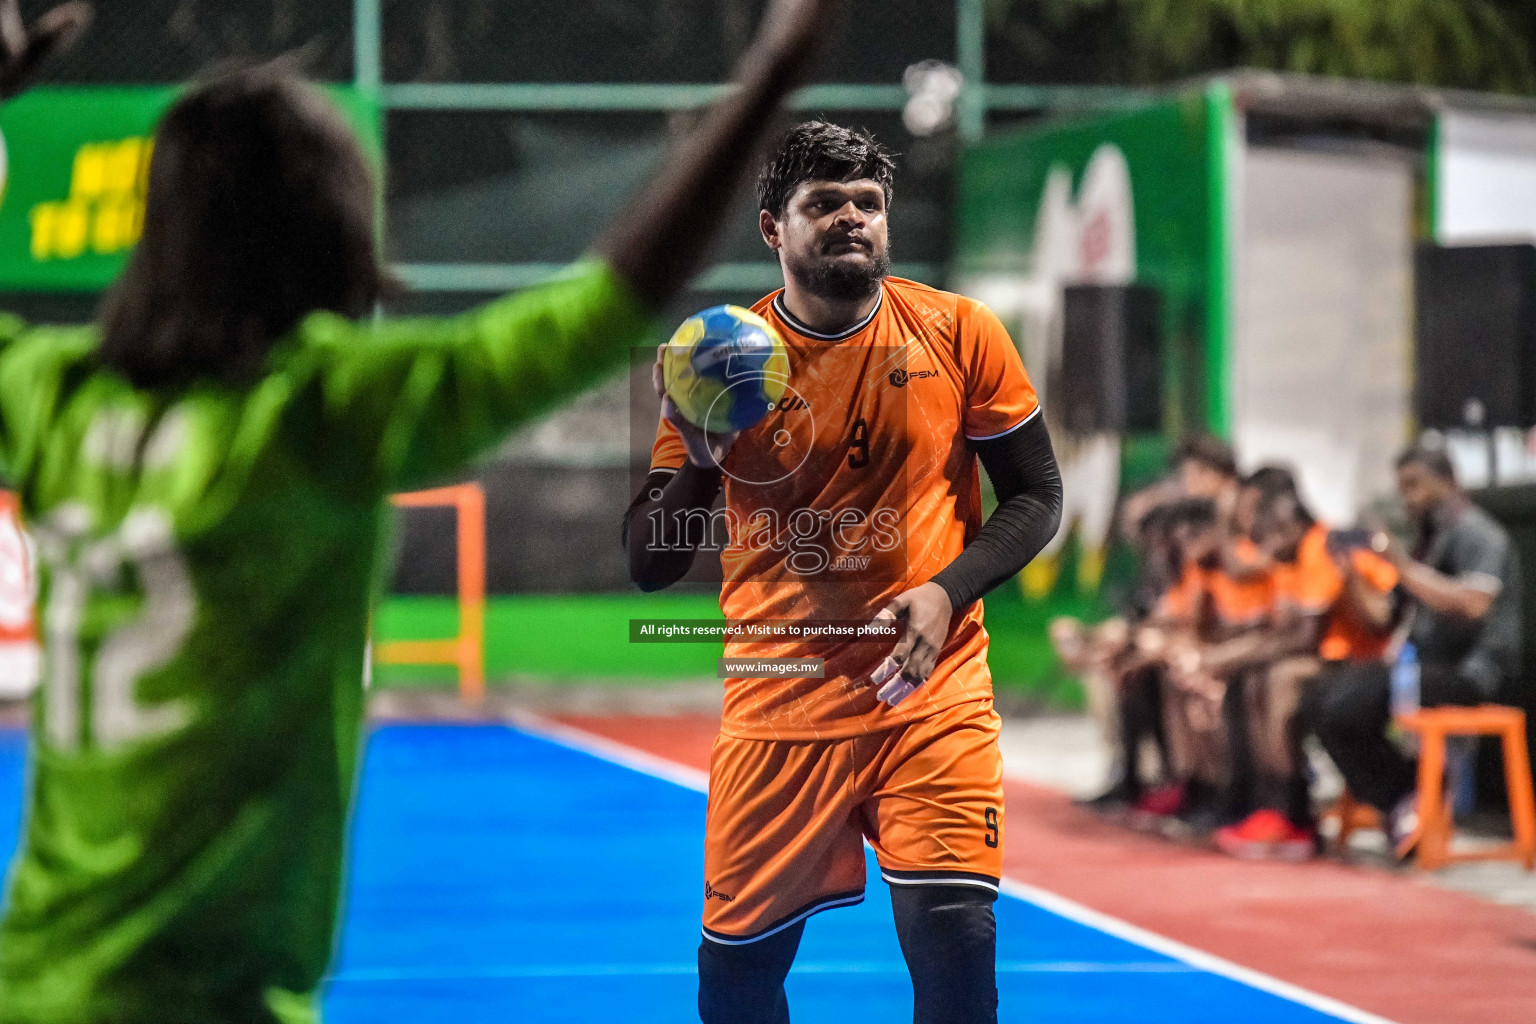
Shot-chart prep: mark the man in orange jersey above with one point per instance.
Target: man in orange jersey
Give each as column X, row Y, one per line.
column 1207, row 608
column 1332, row 604
column 1123, row 687
column 1202, row 466
column 856, row 503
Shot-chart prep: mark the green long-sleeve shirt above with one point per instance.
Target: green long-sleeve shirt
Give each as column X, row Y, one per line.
column 207, row 557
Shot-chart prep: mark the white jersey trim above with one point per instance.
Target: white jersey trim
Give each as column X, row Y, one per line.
column 1005, row 433
column 841, row 901
column 800, row 328
column 940, row 880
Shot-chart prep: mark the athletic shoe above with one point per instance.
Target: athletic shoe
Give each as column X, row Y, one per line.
column 1114, row 800
column 1266, row 834
column 1403, row 826
column 1195, row 823
column 1162, row 802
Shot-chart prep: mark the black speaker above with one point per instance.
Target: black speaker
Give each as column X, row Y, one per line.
column 1475, row 312
column 1111, row 366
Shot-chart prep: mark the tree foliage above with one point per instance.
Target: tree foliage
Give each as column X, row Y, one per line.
column 1477, row 44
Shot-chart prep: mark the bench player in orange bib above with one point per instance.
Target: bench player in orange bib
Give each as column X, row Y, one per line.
column 857, row 501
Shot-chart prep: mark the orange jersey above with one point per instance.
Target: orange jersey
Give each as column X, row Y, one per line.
column 1232, row 604
column 1314, row 585
column 861, row 485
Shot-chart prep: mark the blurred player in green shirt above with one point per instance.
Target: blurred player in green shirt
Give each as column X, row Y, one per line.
column 206, row 472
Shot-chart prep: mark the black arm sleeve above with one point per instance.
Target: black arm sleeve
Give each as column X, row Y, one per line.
column 660, row 504
column 1022, row 468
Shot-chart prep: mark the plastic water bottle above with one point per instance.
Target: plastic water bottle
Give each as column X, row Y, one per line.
column 1405, row 682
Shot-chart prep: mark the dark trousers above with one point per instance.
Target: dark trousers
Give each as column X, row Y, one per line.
column 1240, row 796
column 1141, row 716
column 1348, row 708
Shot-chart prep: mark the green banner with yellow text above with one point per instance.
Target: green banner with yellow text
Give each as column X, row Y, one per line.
column 76, row 163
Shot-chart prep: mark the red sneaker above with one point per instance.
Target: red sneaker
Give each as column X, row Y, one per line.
column 1297, row 845
column 1164, row 801
column 1266, row 834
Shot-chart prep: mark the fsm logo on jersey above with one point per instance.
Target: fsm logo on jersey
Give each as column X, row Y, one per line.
column 900, row 378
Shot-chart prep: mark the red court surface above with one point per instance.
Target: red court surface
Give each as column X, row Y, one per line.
column 1387, row 943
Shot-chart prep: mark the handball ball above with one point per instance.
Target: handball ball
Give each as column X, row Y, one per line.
column 725, row 369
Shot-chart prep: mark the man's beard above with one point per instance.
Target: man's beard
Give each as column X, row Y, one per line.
column 840, row 280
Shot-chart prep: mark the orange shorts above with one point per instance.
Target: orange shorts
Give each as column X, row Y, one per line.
column 787, row 818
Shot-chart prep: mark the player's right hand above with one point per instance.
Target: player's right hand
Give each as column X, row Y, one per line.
column 705, row 449
column 23, row 49
column 928, row 614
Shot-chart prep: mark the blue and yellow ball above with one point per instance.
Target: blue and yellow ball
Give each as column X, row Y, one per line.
column 725, row 368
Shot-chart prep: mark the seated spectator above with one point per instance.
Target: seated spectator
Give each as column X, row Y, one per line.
column 1462, row 587
column 1121, row 690
column 1332, row 604
column 1122, row 686
column 1206, row 468
column 1244, row 562
column 1206, row 609
column 1243, row 559
column 1202, row 467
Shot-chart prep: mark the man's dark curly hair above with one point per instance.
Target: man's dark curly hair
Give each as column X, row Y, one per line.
column 1432, row 457
column 818, row 151
column 1211, row 452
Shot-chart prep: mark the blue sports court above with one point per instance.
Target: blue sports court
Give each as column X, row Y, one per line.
column 501, row 876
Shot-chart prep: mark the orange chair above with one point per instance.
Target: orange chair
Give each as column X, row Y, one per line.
column 1436, row 824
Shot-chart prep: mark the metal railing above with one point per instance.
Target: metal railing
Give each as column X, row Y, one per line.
column 977, row 100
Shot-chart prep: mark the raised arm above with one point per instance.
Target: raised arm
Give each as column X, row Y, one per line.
column 412, row 401
column 1468, row 595
column 23, row 49
column 660, row 551
column 657, row 544
column 663, row 238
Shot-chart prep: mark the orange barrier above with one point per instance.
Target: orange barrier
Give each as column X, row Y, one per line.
column 467, row 650
column 1436, row 825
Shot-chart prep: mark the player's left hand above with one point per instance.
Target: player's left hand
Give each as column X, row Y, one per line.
column 23, row 49
column 926, row 611
column 705, row 450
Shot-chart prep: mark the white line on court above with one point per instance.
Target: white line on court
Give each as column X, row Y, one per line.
column 631, row 970
column 1075, row 911
column 612, row 750
column 692, row 778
